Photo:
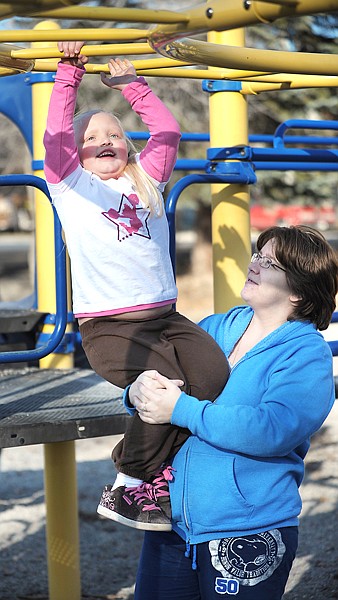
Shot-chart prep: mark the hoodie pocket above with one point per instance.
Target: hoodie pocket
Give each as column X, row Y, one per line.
column 213, row 500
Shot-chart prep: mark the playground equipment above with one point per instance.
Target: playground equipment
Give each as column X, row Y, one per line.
column 232, row 73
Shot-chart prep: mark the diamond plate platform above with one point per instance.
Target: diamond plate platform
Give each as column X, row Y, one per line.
column 39, row 406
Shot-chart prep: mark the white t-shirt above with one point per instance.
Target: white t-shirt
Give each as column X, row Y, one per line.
column 122, row 263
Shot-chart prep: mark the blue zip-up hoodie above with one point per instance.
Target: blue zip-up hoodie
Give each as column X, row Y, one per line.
column 240, row 471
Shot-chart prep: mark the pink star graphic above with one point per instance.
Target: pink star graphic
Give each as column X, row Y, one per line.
column 127, row 220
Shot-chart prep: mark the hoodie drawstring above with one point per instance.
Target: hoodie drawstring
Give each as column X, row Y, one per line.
column 194, row 554
column 194, row 558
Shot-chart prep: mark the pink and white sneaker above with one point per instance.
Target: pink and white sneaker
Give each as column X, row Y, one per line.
column 144, row 507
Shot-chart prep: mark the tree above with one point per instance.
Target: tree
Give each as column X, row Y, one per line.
column 306, row 34
column 190, row 105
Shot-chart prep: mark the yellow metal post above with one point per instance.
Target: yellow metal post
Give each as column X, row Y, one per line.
column 62, row 522
column 44, row 236
column 62, row 528
column 230, row 202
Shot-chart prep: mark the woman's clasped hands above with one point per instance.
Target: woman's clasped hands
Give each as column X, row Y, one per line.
column 154, row 396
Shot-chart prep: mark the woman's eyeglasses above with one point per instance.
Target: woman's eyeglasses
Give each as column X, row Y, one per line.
column 265, row 262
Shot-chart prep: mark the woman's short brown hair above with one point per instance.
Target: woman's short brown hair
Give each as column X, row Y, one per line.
column 311, row 271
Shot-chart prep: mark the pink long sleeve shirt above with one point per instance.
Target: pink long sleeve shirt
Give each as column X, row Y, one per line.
column 119, row 251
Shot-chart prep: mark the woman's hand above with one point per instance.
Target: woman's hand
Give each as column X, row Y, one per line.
column 154, row 397
column 72, row 53
column 122, row 72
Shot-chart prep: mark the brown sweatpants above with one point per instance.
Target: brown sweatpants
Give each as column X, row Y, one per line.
column 119, row 350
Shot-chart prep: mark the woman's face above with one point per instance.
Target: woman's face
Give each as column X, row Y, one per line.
column 102, row 146
column 267, row 289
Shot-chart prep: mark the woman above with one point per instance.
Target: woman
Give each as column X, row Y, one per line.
column 235, row 499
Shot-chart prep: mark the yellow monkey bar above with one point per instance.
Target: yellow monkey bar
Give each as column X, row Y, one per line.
column 50, row 10
column 272, row 61
column 94, row 50
column 47, row 35
column 8, row 63
column 213, row 16
column 275, row 64
column 165, row 39
column 224, row 16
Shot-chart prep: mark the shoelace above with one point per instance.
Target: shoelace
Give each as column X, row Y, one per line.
column 142, row 494
column 150, row 492
column 160, row 483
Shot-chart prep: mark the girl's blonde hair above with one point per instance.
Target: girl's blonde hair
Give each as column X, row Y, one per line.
column 147, row 191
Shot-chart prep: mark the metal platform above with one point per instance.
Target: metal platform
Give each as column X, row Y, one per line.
column 38, row 406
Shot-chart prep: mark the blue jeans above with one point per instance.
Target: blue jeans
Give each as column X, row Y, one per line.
column 251, row 567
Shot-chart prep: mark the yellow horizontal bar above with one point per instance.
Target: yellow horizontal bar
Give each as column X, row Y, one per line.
column 146, row 67
column 44, row 66
column 219, row 16
column 269, row 10
column 92, row 68
column 18, row 64
column 210, row 73
column 102, row 50
column 39, row 4
column 11, row 9
column 295, row 84
column 157, row 63
column 179, row 73
column 233, row 57
column 278, row 80
column 271, row 82
column 282, row 82
column 55, row 35
column 4, row 71
column 138, row 64
column 124, row 15
column 281, row 2
column 195, row 52
column 187, row 73
column 232, row 14
column 285, row 79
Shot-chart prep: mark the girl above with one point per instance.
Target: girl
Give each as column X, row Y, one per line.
column 109, row 201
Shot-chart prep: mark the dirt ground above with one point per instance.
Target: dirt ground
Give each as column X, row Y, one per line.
column 109, row 552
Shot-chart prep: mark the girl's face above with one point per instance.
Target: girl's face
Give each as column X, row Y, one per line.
column 102, row 146
column 267, row 289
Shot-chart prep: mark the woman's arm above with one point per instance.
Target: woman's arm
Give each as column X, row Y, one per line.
column 292, row 408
